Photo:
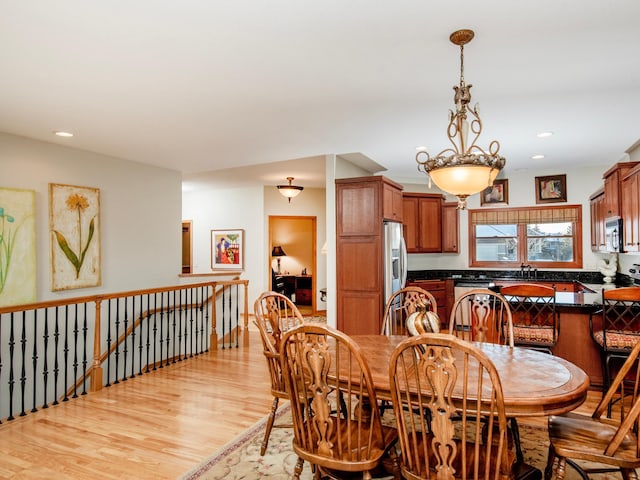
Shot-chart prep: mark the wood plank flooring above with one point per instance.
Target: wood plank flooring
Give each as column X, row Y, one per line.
column 156, row 426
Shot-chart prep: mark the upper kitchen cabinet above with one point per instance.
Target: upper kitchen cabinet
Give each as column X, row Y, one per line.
column 423, row 223
column 612, row 191
column 450, row 227
column 597, row 208
column 609, row 202
column 630, row 189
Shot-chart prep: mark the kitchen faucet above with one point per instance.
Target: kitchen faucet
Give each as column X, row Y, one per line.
column 527, row 267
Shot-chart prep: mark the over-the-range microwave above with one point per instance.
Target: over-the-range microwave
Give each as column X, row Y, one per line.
column 613, row 234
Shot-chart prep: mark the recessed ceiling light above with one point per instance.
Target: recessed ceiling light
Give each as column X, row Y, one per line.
column 537, row 157
column 421, row 148
column 545, row 134
column 63, row 134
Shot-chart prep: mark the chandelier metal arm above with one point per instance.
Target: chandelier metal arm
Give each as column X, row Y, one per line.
column 464, row 154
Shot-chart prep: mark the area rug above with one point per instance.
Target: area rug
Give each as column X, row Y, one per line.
column 241, row 460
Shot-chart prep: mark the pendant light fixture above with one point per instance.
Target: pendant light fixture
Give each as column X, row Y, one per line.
column 466, row 168
column 290, row 190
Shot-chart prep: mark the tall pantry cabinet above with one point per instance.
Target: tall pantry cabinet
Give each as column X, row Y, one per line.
column 362, row 206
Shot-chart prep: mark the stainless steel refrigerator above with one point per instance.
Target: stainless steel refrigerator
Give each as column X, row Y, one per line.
column 395, row 259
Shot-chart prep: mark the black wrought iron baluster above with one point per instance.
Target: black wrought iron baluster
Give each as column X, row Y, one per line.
column 125, row 349
column 76, row 331
column 65, row 352
column 56, row 360
column 23, row 370
column 174, row 311
column 117, row 342
column 148, row 329
column 140, row 339
column 182, row 330
column 108, row 343
column 189, row 309
column 45, row 366
column 155, row 326
column 162, row 315
column 224, row 325
column 199, row 295
column 230, row 318
column 12, row 344
column 34, row 359
column 133, row 336
column 205, row 295
column 237, row 314
column 85, row 332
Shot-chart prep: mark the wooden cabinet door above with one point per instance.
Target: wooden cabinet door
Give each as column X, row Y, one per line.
column 450, row 227
column 430, row 224
column 596, row 207
column 410, row 220
column 612, row 194
column 392, row 203
column 631, row 213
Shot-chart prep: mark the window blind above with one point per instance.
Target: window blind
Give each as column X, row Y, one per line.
column 526, row 215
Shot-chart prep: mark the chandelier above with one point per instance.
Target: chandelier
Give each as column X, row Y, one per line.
column 290, row 190
column 466, row 168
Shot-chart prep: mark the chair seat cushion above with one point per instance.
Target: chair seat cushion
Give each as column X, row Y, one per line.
column 583, row 437
column 616, row 340
column 533, row 335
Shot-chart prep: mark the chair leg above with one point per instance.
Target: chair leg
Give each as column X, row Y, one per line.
column 270, row 420
column 515, row 434
column 551, row 456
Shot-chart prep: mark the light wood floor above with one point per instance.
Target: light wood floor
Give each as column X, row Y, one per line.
column 157, row 426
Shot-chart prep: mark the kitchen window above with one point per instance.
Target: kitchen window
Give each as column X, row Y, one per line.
column 548, row 237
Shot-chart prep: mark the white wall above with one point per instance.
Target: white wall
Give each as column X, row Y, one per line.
column 140, row 212
column 581, row 183
column 249, row 208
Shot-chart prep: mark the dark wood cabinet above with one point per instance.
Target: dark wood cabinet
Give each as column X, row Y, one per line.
column 430, row 224
column 422, row 217
column 611, row 203
column 362, row 206
column 450, row 227
column 630, row 189
column 596, row 205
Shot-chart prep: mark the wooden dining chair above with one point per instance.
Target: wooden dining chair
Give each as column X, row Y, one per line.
column 401, row 305
column 468, row 434
column 616, row 327
column 535, row 318
column 320, row 363
column 597, row 438
column 274, row 314
column 482, row 315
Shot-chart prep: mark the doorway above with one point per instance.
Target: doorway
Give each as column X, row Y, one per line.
column 187, row 247
column 296, row 258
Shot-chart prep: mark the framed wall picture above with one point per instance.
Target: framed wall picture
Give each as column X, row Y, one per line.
column 498, row 193
column 227, row 249
column 17, row 246
column 552, row 188
column 74, row 225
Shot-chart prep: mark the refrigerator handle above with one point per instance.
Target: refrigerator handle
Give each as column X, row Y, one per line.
column 404, row 262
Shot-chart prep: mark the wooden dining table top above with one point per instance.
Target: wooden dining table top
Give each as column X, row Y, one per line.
column 533, row 383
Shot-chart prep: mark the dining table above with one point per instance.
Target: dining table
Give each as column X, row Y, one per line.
column 534, row 383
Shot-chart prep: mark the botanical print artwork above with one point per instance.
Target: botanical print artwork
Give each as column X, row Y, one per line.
column 75, row 236
column 17, row 247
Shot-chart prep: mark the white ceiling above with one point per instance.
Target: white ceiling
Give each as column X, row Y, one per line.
column 203, row 85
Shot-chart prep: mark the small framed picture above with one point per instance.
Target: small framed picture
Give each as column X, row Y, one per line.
column 227, row 249
column 552, row 188
column 498, row 193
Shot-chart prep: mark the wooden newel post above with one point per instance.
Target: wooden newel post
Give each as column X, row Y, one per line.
column 96, row 370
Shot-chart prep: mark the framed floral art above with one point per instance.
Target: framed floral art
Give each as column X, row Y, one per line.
column 74, row 224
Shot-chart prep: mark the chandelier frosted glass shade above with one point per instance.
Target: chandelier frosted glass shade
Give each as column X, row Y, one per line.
column 465, row 168
column 464, row 180
column 290, row 190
